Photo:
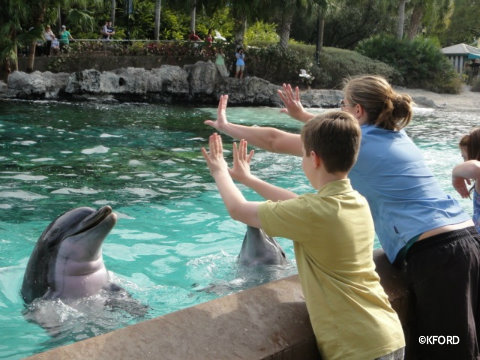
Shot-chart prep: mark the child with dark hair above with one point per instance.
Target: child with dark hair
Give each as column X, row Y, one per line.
column 469, row 170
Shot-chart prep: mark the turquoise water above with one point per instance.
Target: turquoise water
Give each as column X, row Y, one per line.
column 174, row 236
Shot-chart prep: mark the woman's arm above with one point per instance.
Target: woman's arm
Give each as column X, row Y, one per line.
column 293, row 105
column 267, row 138
column 463, row 173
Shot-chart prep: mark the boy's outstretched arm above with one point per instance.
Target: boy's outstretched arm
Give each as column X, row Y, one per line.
column 267, row 138
column 241, row 172
column 238, row 208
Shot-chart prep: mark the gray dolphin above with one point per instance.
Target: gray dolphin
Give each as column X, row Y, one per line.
column 261, row 259
column 67, row 261
column 260, row 249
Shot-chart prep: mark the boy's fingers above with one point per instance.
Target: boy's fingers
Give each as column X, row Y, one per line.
column 235, row 151
column 250, row 155
column 205, row 154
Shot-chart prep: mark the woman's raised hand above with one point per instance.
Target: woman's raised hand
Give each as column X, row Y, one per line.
column 221, row 121
column 241, row 162
column 293, row 105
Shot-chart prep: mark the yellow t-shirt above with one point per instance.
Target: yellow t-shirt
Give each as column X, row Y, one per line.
column 333, row 237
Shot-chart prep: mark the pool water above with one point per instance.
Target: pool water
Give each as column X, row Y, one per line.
column 174, row 245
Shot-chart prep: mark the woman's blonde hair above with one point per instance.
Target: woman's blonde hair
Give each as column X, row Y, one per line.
column 385, row 108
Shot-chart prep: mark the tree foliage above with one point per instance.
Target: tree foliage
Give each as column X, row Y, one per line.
column 464, row 24
column 420, row 61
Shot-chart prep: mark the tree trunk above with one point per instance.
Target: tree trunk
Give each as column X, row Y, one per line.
column 239, row 28
column 59, row 19
column 158, row 11
column 15, row 64
column 401, row 19
column 31, row 56
column 320, row 28
column 285, row 25
column 112, row 14
column 415, row 22
column 193, row 14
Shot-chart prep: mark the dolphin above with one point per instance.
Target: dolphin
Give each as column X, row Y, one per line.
column 261, row 259
column 260, row 249
column 67, row 261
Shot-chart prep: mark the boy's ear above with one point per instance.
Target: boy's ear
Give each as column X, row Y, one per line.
column 317, row 160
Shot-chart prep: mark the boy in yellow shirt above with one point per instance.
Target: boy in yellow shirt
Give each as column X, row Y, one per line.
column 333, row 236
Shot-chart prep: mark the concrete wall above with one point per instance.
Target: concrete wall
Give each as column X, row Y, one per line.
column 266, row 322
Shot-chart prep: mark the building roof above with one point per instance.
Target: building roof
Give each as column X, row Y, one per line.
column 462, row 49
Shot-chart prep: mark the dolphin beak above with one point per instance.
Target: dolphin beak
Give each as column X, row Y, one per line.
column 104, row 217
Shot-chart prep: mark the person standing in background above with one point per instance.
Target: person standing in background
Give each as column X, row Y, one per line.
column 240, row 64
column 49, row 37
column 220, row 63
column 65, row 38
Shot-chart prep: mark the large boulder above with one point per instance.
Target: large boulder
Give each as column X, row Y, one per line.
column 322, row 98
column 168, row 79
column 37, row 85
column 203, row 79
column 3, row 89
column 251, row 91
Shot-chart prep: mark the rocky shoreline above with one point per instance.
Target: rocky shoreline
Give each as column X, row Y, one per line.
column 197, row 84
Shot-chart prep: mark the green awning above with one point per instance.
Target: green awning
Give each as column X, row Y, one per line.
column 474, row 56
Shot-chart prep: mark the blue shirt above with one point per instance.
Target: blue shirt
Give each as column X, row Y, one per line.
column 476, row 210
column 404, row 197
column 240, row 59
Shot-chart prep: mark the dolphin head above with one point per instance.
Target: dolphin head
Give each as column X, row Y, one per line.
column 260, row 249
column 76, row 235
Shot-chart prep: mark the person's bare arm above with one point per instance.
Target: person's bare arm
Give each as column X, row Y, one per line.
column 238, row 208
column 463, row 173
column 267, row 138
column 241, row 172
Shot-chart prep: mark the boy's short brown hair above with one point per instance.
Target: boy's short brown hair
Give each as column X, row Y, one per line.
column 335, row 137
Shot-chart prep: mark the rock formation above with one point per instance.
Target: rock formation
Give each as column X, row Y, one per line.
column 199, row 83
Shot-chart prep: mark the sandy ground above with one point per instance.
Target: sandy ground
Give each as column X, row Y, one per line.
column 466, row 100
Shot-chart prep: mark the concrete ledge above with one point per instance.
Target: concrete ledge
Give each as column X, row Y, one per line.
column 266, row 322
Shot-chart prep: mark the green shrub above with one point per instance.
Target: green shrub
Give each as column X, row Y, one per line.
column 341, row 64
column 419, row 62
column 279, row 65
column 261, row 34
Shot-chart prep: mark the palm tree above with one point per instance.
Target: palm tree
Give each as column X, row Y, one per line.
column 433, row 13
column 12, row 15
column 158, row 11
column 401, row 18
column 113, row 10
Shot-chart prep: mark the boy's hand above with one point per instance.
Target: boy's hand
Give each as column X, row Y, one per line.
column 241, row 162
column 215, row 160
column 221, row 121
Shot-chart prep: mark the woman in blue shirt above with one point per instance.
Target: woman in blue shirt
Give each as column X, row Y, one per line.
column 420, row 227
